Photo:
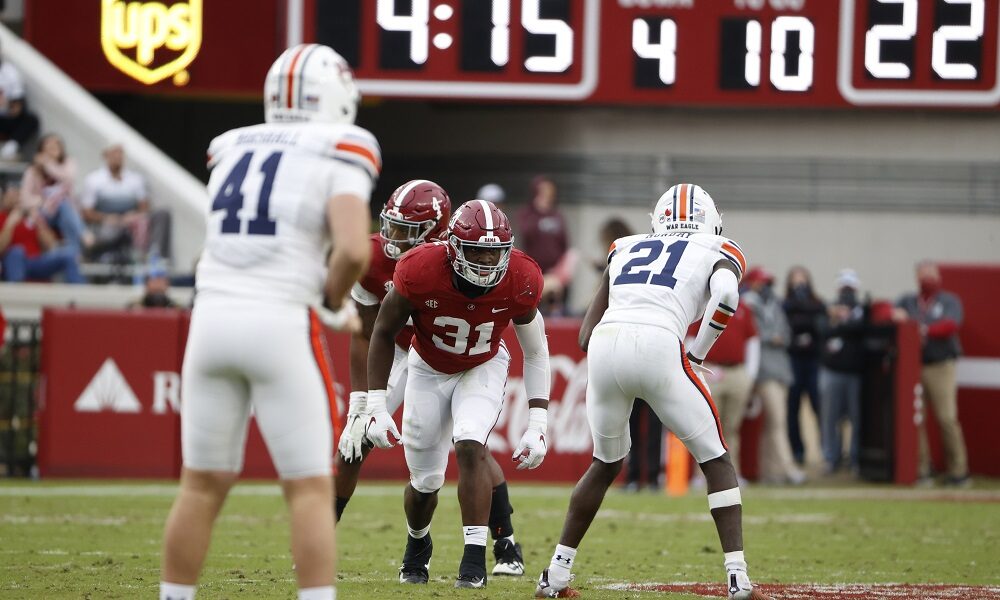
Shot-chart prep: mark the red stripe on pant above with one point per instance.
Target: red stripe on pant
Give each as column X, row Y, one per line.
column 705, row 394
column 322, row 356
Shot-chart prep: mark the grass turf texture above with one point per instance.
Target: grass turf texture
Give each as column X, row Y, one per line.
column 102, row 540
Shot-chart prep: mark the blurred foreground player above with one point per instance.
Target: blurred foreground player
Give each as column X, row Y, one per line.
column 654, row 287
column 416, row 213
column 461, row 296
column 282, row 191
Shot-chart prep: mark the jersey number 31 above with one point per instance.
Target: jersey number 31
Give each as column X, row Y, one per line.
column 230, row 197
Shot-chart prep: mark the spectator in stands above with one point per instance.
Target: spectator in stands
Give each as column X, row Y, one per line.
column 492, row 192
column 155, row 291
column 541, row 233
column 29, row 249
column 773, row 378
column 613, row 229
column 807, row 317
column 17, row 123
column 841, row 375
column 116, row 205
column 939, row 315
column 47, row 185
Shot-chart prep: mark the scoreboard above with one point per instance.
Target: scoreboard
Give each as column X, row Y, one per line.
column 739, row 53
column 687, row 52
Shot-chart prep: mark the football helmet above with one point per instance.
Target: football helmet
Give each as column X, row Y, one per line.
column 310, row 83
column 686, row 207
column 480, row 241
column 416, row 212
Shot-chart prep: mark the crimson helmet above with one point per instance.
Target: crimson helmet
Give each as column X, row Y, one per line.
column 416, row 212
column 480, row 226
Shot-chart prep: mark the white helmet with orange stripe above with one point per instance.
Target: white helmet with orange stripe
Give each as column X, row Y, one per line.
column 310, row 83
column 686, row 207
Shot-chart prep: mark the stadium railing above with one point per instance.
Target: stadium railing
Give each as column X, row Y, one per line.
column 20, row 360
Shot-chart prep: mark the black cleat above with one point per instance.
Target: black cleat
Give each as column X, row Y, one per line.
column 510, row 561
column 416, row 560
column 471, row 580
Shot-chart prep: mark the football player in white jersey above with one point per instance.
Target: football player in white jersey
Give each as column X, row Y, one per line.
column 280, row 192
column 654, row 287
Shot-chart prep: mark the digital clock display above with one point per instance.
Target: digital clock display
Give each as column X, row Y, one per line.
column 685, row 52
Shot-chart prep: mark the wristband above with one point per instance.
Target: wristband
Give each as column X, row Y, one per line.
column 538, row 418
column 357, row 403
column 376, row 401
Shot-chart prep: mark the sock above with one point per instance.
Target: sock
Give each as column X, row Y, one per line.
column 561, row 565
column 735, row 561
column 341, row 505
column 500, row 511
column 318, row 593
column 176, row 591
column 418, row 534
column 474, row 557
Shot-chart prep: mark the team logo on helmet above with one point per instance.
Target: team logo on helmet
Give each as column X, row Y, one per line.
column 150, row 28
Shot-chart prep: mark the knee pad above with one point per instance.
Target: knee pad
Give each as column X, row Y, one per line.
column 426, row 483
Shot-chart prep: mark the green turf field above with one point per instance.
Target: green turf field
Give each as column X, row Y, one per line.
column 101, row 540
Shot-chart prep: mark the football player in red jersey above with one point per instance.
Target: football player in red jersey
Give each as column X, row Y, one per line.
column 461, row 295
column 417, row 212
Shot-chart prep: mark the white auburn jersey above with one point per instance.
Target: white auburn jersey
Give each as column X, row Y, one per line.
column 661, row 279
column 268, row 234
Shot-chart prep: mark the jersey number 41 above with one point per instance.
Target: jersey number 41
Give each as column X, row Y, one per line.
column 230, row 197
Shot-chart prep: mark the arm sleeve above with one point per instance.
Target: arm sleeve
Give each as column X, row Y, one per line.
column 752, row 358
column 537, row 377
column 363, row 296
column 724, row 289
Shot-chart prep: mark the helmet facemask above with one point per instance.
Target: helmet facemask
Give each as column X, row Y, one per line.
column 401, row 235
column 474, row 269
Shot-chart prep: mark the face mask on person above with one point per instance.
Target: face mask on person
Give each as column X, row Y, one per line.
column 801, row 291
column 157, row 300
column 847, row 297
column 929, row 286
column 766, row 292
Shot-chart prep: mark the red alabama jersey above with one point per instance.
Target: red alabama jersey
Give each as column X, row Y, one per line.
column 377, row 281
column 453, row 332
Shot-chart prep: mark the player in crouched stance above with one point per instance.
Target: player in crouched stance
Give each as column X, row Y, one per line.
column 281, row 193
column 416, row 213
column 461, row 296
column 655, row 285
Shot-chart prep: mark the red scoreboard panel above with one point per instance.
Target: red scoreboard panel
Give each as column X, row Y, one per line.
column 823, row 53
column 780, row 53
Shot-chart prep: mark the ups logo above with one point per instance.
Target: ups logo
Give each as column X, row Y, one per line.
column 135, row 35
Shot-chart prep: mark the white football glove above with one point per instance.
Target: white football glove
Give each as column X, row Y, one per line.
column 344, row 319
column 530, row 451
column 353, row 437
column 703, row 372
column 380, row 429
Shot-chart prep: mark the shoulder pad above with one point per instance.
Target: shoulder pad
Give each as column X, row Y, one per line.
column 732, row 251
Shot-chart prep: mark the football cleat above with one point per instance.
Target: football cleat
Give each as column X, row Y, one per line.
column 471, row 581
column 416, row 560
column 510, row 561
column 740, row 588
column 545, row 589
